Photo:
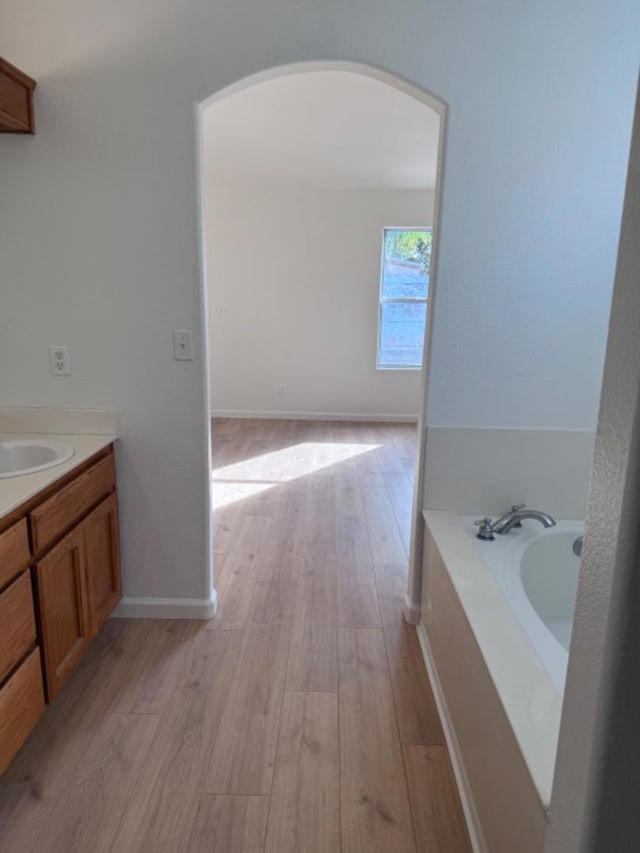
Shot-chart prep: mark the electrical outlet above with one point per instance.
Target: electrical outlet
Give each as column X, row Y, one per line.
column 182, row 345
column 59, row 361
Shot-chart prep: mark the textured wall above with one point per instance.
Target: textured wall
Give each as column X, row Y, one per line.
column 595, row 802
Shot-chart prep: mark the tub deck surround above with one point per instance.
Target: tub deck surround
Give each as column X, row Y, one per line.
column 531, row 701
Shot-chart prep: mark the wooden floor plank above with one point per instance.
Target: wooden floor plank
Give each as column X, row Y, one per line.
column 391, row 578
column 243, row 755
column 317, row 583
column 43, row 770
column 235, row 593
column 374, row 801
column 418, row 718
column 384, row 535
column 347, row 495
column 88, row 816
column 229, row 824
column 353, row 552
column 357, row 604
column 41, row 773
column 305, row 808
column 161, row 811
column 151, row 691
column 272, row 601
column 401, row 497
column 313, row 656
column 435, row 803
column 280, row 537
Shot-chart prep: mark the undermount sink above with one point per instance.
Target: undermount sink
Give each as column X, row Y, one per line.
column 28, row 455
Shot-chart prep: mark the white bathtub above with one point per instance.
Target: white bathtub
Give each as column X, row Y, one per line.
column 537, row 571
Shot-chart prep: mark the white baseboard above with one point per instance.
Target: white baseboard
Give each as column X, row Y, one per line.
column 314, row 416
column 167, row 608
column 464, row 788
column 411, row 611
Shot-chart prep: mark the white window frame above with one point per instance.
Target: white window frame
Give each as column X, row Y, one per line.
column 409, row 299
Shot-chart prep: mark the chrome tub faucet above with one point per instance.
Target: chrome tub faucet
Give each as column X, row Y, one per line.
column 511, row 519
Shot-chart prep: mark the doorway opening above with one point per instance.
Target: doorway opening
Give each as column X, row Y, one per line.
column 304, row 171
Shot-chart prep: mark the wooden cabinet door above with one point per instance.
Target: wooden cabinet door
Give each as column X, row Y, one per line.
column 64, row 614
column 102, row 548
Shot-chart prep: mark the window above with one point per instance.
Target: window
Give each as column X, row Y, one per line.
column 404, row 292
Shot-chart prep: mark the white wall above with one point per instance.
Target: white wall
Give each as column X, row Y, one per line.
column 524, row 283
column 297, row 273
column 595, row 802
column 476, row 471
column 98, row 214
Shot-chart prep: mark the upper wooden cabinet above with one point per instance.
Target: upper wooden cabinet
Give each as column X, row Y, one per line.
column 16, row 100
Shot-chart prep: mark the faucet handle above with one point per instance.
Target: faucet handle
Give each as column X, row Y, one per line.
column 517, row 508
column 485, row 531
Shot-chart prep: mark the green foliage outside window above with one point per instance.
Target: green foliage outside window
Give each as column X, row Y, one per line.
column 410, row 246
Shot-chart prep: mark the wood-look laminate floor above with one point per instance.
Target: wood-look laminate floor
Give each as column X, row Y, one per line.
column 300, row 719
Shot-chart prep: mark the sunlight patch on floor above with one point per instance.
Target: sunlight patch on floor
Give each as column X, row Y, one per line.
column 251, row 477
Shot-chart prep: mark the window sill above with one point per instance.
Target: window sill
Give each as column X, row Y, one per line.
column 394, row 367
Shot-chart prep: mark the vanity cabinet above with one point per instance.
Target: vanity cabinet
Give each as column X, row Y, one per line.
column 78, row 579
column 60, row 579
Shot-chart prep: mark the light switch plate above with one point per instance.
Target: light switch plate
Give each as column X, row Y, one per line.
column 182, row 345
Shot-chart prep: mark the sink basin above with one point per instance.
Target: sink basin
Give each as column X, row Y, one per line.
column 27, row 455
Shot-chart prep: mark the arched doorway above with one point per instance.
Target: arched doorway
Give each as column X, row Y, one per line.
column 434, row 104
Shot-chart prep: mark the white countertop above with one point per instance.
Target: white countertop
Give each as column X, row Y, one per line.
column 14, row 491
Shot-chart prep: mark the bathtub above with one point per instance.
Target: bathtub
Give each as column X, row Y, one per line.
column 537, row 571
column 496, row 620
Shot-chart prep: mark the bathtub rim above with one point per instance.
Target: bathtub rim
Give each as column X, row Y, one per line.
column 513, row 665
column 500, row 557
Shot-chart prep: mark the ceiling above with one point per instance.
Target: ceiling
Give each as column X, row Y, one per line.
column 330, row 129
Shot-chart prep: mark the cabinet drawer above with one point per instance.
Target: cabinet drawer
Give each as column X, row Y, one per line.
column 60, row 512
column 14, row 551
column 18, row 623
column 21, row 706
